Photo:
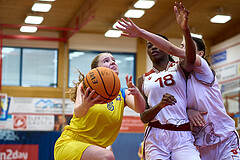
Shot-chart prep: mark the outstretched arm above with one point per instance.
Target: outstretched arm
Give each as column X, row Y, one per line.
column 132, row 30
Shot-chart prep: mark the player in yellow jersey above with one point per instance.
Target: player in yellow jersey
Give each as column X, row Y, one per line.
column 95, row 126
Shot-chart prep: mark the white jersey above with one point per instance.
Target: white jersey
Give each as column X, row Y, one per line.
column 172, row 80
column 203, row 94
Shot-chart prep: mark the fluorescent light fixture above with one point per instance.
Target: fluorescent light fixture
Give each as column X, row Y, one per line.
column 144, row 4
column 33, row 19
column 220, row 19
column 41, row 7
column 113, row 33
column 30, row 29
column 196, row 35
column 134, row 13
column 116, row 24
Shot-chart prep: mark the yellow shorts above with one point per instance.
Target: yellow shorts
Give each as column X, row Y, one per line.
column 67, row 148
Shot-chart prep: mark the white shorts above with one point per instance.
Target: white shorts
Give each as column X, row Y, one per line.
column 226, row 150
column 165, row 145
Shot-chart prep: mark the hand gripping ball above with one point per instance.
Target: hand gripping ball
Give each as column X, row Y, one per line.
column 104, row 81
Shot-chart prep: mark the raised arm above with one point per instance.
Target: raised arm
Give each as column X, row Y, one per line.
column 182, row 19
column 130, row 29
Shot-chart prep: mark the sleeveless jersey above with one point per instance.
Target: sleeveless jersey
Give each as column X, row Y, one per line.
column 206, row 97
column 101, row 125
column 171, row 80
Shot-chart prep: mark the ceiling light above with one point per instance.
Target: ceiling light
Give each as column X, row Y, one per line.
column 113, row 33
column 41, row 7
column 220, row 19
column 133, row 13
column 116, row 24
column 33, row 19
column 196, row 35
column 29, row 29
column 144, row 4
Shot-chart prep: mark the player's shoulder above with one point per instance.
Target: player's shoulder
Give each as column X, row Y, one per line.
column 149, row 72
column 172, row 64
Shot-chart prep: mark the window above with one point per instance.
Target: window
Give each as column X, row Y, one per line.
column 82, row 61
column 29, row 67
column 39, row 67
column 11, row 66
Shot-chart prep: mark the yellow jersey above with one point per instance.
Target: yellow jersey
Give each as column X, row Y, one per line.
column 101, row 125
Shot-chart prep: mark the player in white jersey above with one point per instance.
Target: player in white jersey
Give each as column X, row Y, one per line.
column 170, row 80
column 215, row 130
column 168, row 135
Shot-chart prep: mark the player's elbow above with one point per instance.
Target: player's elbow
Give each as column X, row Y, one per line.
column 142, row 109
column 144, row 119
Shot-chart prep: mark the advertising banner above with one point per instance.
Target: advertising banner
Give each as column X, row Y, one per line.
column 18, row 151
column 33, row 122
column 132, row 124
column 52, row 106
column 27, row 145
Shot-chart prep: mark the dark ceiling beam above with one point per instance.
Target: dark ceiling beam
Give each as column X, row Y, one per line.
column 85, row 14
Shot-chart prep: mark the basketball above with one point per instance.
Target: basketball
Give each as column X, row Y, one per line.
column 104, row 81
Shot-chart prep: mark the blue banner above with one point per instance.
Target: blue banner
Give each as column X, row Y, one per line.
column 222, row 56
column 18, row 143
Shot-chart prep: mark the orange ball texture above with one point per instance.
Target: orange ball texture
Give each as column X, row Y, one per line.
column 104, row 81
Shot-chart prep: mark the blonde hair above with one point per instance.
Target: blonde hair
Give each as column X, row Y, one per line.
column 73, row 90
